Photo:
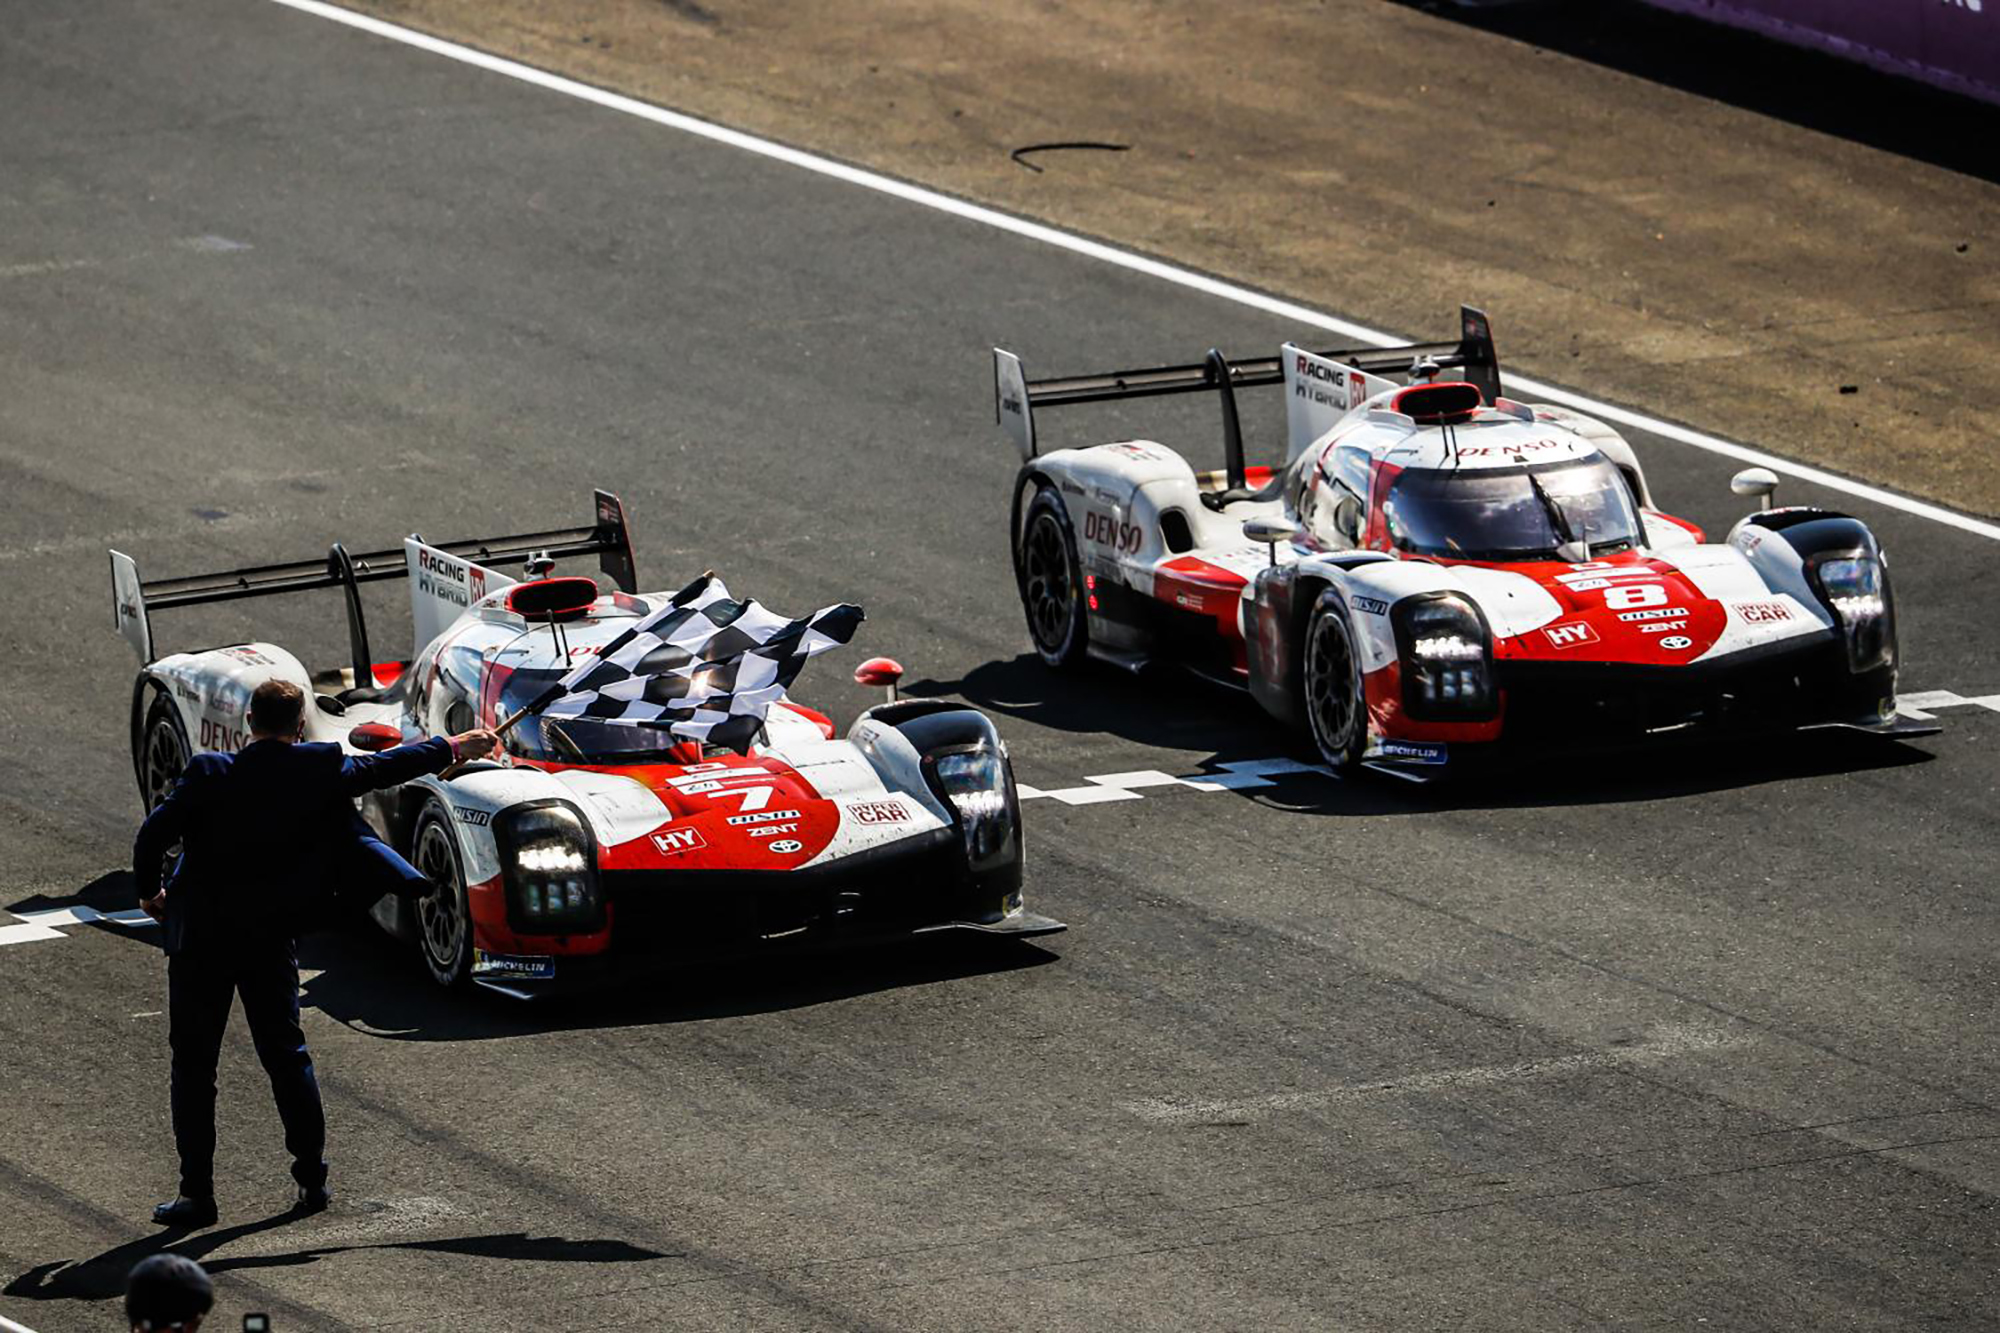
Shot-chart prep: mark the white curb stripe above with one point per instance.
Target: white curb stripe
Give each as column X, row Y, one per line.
column 1109, row 254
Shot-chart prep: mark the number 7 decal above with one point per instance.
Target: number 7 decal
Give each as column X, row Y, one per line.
column 754, row 798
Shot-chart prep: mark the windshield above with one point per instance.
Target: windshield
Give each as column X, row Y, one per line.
column 575, row 740
column 1517, row 514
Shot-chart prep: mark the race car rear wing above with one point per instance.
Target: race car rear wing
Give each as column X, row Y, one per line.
column 1015, row 397
column 134, row 600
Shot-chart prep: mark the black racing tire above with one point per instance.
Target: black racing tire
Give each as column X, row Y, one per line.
column 164, row 753
column 1051, row 582
column 1332, row 697
column 444, row 916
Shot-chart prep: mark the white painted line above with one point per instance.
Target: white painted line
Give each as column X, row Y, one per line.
column 1110, row 254
column 1920, row 705
column 41, row 925
column 1663, row 1044
column 1144, row 777
column 79, row 915
column 1236, row 775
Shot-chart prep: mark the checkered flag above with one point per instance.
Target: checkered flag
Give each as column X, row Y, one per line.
column 705, row 666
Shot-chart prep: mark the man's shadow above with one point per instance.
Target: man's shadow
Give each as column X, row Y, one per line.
column 102, row 1277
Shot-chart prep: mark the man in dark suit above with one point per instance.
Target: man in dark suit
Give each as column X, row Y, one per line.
column 261, row 831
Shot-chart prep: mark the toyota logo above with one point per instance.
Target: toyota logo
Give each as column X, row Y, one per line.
column 1677, row 641
column 786, row 845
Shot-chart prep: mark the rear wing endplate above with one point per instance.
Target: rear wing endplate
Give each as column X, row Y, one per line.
column 134, row 600
column 1016, row 397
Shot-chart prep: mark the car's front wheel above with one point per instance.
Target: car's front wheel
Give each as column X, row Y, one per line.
column 1335, row 704
column 444, row 916
column 1051, row 579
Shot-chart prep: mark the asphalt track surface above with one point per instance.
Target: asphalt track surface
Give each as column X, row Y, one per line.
column 1702, row 1036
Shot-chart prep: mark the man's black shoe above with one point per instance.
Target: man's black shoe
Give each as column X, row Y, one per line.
column 312, row 1199
column 185, row 1212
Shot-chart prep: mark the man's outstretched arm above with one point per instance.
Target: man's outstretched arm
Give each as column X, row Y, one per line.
column 162, row 829
column 372, row 772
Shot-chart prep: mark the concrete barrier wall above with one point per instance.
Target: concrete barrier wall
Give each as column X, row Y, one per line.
column 1954, row 44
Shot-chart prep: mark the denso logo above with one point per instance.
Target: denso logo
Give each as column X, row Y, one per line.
column 879, row 812
column 1655, row 613
column 1763, row 613
column 222, row 736
column 1573, row 635
column 677, row 840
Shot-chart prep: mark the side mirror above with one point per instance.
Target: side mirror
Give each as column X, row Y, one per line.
column 1268, row 532
column 880, row 671
column 1759, row 482
column 373, row 737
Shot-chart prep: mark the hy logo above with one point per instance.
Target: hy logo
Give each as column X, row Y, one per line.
column 1573, row 635
column 674, row 841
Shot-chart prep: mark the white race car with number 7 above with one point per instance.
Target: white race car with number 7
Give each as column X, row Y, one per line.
column 1435, row 569
column 592, row 848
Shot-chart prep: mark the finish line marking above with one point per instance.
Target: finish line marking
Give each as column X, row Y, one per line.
column 1110, row 254
column 1236, row 776
column 41, row 925
column 1244, row 774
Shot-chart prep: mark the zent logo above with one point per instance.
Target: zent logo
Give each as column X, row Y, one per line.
column 1677, row 642
column 677, row 840
column 879, row 812
column 1573, row 635
column 786, row 845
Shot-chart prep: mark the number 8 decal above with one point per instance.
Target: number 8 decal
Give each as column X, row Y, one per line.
column 1630, row 596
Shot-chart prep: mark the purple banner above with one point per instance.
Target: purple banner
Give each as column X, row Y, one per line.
column 1954, row 44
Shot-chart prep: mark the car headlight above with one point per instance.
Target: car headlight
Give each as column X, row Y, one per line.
column 975, row 782
column 548, row 867
column 1447, row 658
column 1855, row 588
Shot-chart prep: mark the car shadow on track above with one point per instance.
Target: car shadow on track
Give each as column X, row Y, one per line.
column 1808, row 88
column 376, row 987
column 1169, row 709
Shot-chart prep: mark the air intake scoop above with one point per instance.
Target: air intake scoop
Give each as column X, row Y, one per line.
column 552, row 599
column 1444, row 404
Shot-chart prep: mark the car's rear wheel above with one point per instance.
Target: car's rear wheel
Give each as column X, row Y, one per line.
column 1335, row 704
column 444, row 917
column 1051, row 580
